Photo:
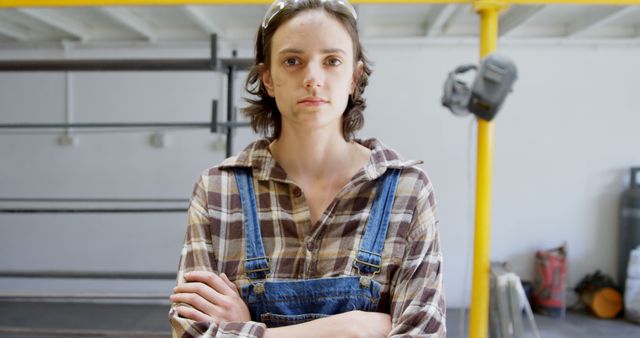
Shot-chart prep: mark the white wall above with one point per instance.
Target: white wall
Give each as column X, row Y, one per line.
column 564, row 142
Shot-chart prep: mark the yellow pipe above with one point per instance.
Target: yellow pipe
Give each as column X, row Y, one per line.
column 88, row 3
column 574, row 2
column 479, row 312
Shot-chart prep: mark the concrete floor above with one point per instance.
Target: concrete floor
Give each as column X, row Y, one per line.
column 576, row 324
column 48, row 320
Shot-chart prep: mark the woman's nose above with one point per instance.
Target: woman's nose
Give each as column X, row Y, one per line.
column 313, row 76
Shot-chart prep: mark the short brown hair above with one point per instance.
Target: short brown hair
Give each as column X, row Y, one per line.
column 263, row 111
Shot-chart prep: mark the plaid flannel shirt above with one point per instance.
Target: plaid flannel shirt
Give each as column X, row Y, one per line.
column 411, row 277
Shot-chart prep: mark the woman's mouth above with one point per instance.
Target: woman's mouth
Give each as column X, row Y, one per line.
column 312, row 101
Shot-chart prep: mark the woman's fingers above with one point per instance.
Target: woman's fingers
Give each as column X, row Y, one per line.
column 204, row 290
column 229, row 283
column 195, row 300
column 193, row 314
column 211, row 279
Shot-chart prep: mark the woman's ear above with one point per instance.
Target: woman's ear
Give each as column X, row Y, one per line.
column 265, row 77
column 357, row 74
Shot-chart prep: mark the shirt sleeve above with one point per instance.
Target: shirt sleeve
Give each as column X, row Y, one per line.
column 197, row 255
column 417, row 304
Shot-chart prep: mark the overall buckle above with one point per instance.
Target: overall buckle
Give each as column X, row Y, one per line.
column 266, row 270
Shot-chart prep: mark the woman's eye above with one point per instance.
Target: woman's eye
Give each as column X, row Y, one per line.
column 291, row 62
column 334, row 62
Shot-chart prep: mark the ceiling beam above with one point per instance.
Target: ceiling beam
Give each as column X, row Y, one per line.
column 14, row 32
column 53, row 19
column 126, row 18
column 516, row 17
column 438, row 22
column 200, row 18
column 584, row 26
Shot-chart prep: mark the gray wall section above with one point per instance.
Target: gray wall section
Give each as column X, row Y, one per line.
column 563, row 144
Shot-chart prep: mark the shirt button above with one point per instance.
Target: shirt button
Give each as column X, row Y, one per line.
column 297, row 192
column 310, row 245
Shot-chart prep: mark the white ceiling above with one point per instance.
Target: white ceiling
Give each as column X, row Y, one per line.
column 31, row 27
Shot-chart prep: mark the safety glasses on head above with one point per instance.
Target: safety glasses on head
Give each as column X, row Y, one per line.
column 278, row 5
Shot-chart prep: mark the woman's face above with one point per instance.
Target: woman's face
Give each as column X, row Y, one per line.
column 311, row 73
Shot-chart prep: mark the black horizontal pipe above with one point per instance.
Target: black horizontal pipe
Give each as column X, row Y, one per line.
column 89, row 274
column 47, row 332
column 120, row 125
column 90, row 210
column 94, row 200
column 90, row 65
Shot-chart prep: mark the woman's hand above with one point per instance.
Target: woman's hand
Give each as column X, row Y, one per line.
column 212, row 298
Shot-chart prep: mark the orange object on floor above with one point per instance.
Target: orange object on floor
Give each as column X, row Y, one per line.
column 604, row 303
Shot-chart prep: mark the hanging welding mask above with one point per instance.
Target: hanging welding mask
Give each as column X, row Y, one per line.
column 493, row 81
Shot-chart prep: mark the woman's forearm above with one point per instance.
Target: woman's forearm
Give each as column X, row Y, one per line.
column 352, row 324
column 329, row 327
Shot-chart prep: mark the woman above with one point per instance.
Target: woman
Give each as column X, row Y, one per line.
column 310, row 232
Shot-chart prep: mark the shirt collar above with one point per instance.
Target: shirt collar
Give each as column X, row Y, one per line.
column 264, row 167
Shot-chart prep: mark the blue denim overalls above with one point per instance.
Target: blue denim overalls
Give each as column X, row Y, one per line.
column 286, row 302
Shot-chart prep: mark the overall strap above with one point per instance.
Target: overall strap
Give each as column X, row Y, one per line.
column 257, row 262
column 369, row 259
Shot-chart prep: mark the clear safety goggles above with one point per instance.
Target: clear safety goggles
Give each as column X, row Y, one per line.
column 278, row 5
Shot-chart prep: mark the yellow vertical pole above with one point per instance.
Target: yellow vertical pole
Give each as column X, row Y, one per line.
column 479, row 316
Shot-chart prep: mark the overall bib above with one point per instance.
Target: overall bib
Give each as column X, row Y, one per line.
column 286, row 302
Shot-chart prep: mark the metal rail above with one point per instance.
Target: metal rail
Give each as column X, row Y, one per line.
column 231, row 113
column 213, row 63
column 98, row 65
column 230, row 65
column 207, row 125
column 62, row 210
column 16, row 330
column 89, row 275
column 87, row 297
column 94, row 200
column 90, row 210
